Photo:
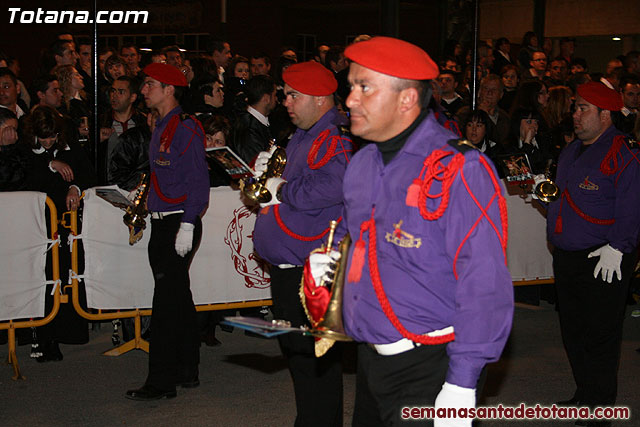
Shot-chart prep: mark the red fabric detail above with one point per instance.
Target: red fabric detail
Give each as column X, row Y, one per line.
column 382, row 297
column 609, row 164
column 586, row 217
column 413, row 193
column 357, row 261
column 435, row 170
column 558, row 227
column 453, row 127
column 332, row 144
column 316, row 298
column 283, row 227
column 156, row 187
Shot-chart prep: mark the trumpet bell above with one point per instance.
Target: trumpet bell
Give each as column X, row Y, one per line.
column 547, row 191
column 256, row 192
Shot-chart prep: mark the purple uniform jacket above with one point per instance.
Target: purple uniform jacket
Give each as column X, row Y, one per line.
column 311, row 198
column 416, row 268
column 180, row 171
column 606, row 197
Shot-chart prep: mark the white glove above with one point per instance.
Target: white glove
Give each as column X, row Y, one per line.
column 260, row 166
column 453, row 396
column 272, row 185
column 321, row 264
column 184, row 238
column 537, row 179
column 610, row 261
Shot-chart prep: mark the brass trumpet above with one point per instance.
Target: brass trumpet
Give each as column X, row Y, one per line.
column 254, row 188
column 330, row 327
column 135, row 213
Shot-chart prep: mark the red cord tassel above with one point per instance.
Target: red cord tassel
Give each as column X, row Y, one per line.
column 558, row 228
column 413, row 192
column 357, row 263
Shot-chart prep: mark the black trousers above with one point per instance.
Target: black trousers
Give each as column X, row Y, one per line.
column 384, row 384
column 591, row 315
column 174, row 351
column 317, row 382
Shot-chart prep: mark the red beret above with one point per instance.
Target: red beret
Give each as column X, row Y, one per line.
column 393, row 57
column 601, row 96
column 310, row 78
column 164, row 73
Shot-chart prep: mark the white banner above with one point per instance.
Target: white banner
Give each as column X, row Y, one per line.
column 118, row 276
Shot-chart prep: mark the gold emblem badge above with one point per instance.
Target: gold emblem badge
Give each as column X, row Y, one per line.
column 402, row 238
column 588, row 185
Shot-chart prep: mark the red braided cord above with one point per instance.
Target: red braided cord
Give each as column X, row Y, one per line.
column 283, row 227
column 437, row 171
column 315, row 147
column 612, row 156
column 384, row 301
column 585, row 216
column 156, row 187
column 502, row 205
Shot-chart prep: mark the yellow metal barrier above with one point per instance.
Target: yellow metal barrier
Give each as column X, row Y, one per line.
column 11, row 325
column 137, row 342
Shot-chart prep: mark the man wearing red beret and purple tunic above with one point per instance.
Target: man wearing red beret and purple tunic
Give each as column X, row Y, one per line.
column 427, row 294
column 304, row 200
column 594, row 228
column 178, row 195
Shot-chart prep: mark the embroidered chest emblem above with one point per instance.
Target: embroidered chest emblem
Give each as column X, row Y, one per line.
column 161, row 161
column 401, row 238
column 588, row 185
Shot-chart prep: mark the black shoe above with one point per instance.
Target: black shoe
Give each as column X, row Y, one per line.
column 148, row 392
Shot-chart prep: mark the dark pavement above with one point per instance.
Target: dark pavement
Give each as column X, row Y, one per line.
column 244, row 382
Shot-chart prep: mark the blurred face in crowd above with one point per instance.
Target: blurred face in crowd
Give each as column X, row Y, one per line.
column 510, row 79
column 174, row 58
column 341, row 64
column 322, row 52
column 558, row 70
column 631, row 95
column 260, row 67
column 301, row 108
column 543, row 96
column 69, row 55
column 588, row 123
column 48, row 142
column 159, row 58
column 131, row 57
column 85, row 55
column 121, row 97
column 290, row 54
column 539, row 61
column 451, row 65
column 215, row 140
column 8, row 92
column 222, row 58
column 505, row 47
column 490, row 93
column 102, row 59
column 613, row 64
column 52, row 96
column 77, row 81
column 447, row 84
column 374, row 104
column 153, row 92
column 216, row 99
column 528, row 126
column 241, row 71
column 116, row 70
column 577, row 68
column 475, row 131
column 9, row 132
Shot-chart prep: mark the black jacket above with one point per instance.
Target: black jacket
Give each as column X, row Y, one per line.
column 14, row 164
column 130, row 158
column 250, row 137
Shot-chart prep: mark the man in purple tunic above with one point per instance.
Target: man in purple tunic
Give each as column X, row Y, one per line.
column 304, row 200
column 594, row 229
column 178, row 195
column 427, row 294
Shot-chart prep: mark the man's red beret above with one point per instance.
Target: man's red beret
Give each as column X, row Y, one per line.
column 310, row 78
column 601, row 96
column 164, row 73
column 393, row 57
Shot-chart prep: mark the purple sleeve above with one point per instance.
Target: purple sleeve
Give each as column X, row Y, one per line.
column 623, row 234
column 484, row 291
column 193, row 168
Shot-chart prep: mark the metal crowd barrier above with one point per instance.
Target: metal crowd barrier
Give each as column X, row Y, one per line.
column 58, row 298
